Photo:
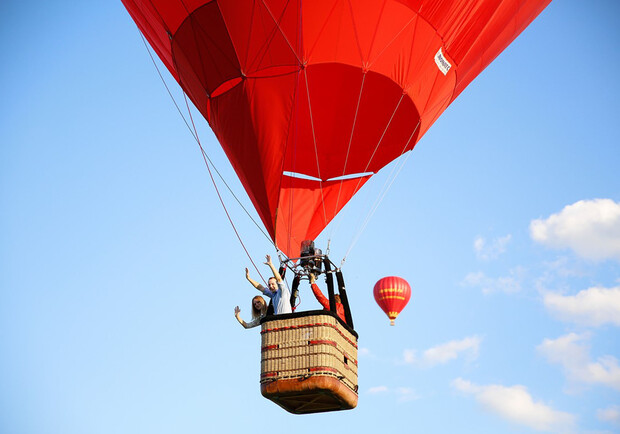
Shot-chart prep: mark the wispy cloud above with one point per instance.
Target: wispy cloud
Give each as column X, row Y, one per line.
column 377, row 389
column 487, row 251
column 442, row 354
column 406, row 394
column 609, row 414
column 591, row 228
column 402, row 394
column 488, row 285
column 515, row 404
column 363, row 352
column 592, row 307
column 572, row 353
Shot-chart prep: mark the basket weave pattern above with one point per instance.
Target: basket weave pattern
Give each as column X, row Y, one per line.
column 306, row 347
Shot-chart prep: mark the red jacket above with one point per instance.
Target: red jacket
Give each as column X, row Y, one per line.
column 325, row 302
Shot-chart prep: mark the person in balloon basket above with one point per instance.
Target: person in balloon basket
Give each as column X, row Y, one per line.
column 276, row 289
column 325, row 301
column 259, row 310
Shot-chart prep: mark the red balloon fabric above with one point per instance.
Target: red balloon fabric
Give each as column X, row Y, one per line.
column 310, row 98
column 392, row 295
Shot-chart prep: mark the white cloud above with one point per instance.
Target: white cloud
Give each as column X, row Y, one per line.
column 592, row 307
column 442, row 354
column 410, row 356
column 406, row 394
column 487, row 251
column 363, row 352
column 609, row 414
column 572, row 354
column 591, row 228
column 403, row 394
column 507, row 284
column 378, row 389
column 517, row 405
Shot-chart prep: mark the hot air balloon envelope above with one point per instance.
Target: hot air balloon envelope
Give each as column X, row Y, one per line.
column 392, row 295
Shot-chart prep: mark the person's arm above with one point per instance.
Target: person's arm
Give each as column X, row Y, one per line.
column 246, row 325
column 275, row 272
column 317, row 293
column 254, row 283
column 242, row 322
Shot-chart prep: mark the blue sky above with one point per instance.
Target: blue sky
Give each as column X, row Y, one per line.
column 119, row 271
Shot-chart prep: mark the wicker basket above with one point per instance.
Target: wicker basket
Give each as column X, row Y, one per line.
column 309, row 362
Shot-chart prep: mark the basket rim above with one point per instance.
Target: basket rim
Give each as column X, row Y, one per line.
column 322, row 312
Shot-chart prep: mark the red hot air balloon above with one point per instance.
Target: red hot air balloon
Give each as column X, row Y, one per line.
column 392, row 295
column 310, row 98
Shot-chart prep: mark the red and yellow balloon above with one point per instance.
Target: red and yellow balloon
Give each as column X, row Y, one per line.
column 392, row 294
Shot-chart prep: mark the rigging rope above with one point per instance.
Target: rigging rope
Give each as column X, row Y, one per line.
column 383, row 192
column 217, row 190
column 208, row 162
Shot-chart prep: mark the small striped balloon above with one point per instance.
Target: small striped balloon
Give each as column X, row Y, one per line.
column 392, row 295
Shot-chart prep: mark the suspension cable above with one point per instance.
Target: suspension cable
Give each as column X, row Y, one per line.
column 217, row 190
column 208, row 162
column 383, row 192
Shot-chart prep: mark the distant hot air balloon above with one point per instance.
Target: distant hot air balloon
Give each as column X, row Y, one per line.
column 392, row 295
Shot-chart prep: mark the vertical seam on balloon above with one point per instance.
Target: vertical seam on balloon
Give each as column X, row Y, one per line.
column 361, row 56
column 257, row 60
column 278, row 28
column 292, row 116
column 264, row 49
column 374, row 36
column 357, row 38
column 295, row 135
column 167, row 29
column 294, row 113
column 251, row 29
column 411, row 49
column 163, row 22
column 197, row 31
column 316, row 41
column 195, row 34
column 316, row 154
column 292, row 191
column 277, row 23
column 487, row 24
column 370, row 62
